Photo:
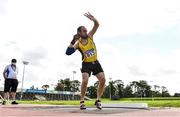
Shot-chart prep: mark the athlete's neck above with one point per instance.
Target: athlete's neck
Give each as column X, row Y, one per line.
column 84, row 41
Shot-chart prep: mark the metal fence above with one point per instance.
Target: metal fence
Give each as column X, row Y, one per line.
column 45, row 96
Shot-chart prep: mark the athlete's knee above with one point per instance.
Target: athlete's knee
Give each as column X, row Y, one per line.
column 85, row 81
column 103, row 80
column 85, row 77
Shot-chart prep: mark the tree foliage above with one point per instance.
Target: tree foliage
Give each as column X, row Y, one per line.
column 115, row 88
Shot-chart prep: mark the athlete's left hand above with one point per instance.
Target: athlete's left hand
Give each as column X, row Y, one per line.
column 88, row 15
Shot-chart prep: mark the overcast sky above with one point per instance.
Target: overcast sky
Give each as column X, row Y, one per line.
column 136, row 40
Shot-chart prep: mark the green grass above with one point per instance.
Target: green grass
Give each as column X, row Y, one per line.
column 168, row 103
column 156, row 98
column 156, row 102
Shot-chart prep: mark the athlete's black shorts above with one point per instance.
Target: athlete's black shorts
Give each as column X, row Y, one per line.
column 91, row 67
column 10, row 85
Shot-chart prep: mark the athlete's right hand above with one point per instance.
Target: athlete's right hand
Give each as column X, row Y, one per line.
column 75, row 38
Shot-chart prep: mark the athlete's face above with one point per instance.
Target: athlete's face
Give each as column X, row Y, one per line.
column 83, row 33
column 13, row 63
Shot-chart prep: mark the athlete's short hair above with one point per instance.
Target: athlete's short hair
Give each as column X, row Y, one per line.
column 13, row 60
column 79, row 29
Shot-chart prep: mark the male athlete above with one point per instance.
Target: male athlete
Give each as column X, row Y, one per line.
column 84, row 42
column 10, row 76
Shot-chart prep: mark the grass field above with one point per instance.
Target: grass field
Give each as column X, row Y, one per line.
column 155, row 102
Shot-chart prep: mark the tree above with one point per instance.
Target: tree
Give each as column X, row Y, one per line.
column 135, row 87
column 92, row 91
column 116, row 88
column 119, row 85
column 144, row 88
column 60, row 85
column 64, row 85
column 67, row 84
column 128, row 92
column 164, row 92
column 75, row 84
column 106, row 93
column 96, row 84
column 112, row 88
column 176, row 94
column 141, row 88
column 32, row 87
column 156, row 91
column 45, row 87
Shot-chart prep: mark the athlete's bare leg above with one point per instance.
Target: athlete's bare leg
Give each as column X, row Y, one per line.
column 101, row 77
column 85, row 78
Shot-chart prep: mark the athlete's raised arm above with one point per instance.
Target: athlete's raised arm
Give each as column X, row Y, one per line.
column 96, row 23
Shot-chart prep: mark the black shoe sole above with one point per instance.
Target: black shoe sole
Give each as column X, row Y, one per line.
column 99, row 108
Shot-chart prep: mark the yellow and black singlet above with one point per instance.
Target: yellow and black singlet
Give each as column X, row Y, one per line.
column 88, row 51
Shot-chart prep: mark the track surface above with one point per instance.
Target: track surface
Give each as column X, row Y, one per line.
column 73, row 111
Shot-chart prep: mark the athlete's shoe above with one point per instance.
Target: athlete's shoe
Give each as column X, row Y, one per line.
column 4, row 103
column 82, row 105
column 14, row 102
column 98, row 104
